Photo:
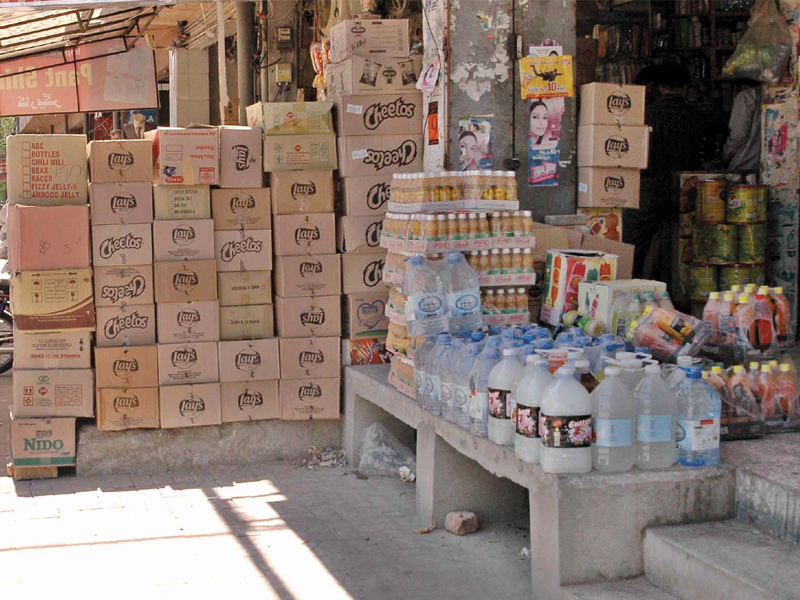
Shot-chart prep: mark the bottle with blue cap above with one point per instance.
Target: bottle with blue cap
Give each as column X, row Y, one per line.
column 426, row 307
column 698, row 421
column 463, row 294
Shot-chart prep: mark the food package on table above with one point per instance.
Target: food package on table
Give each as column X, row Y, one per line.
column 668, row 333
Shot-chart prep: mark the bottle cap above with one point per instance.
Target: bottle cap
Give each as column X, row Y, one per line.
column 763, row 290
column 647, row 310
column 704, row 374
column 510, row 352
column 773, row 363
column 738, row 369
column 650, row 369
column 582, row 364
column 736, row 288
column 744, row 299
column 766, row 369
column 713, row 296
column 753, row 366
column 727, row 296
column 778, row 290
column 716, row 369
column 685, row 361
column 566, row 371
column 612, row 371
column 785, row 368
column 749, row 288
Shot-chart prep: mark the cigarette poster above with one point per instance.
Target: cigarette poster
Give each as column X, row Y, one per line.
column 475, row 142
column 546, row 77
column 544, row 141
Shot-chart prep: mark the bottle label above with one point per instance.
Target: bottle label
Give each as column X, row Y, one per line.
column 446, row 396
column 419, row 382
column 696, row 435
column 612, row 433
column 432, row 387
column 527, row 421
column 498, row 403
column 461, row 399
column 622, row 325
column 424, row 306
column 464, row 303
column 654, row 428
column 479, row 406
column 574, row 431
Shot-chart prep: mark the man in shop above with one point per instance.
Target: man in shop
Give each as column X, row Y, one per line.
column 742, row 150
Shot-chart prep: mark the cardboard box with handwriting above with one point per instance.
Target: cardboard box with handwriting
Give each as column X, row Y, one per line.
column 251, row 322
column 48, row 237
column 241, row 288
column 46, row 170
column 179, row 202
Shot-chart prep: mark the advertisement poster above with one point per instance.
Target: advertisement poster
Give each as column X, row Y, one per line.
column 544, row 141
column 546, row 77
column 475, row 142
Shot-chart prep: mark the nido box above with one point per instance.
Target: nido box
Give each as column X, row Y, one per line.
column 43, row 442
column 291, row 118
column 240, row 157
column 374, row 37
column 243, row 250
column 309, row 399
column 250, row 401
column 119, row 409
column 246, row 322
column 188, row 322
column 121, row 203
column 612, row 104
column 362, row 75
column 126, row 325
column 624, row 147
column 178, row 202
column 241, row 208
column 249, row 360
column 300, row 152
column 366, row 196
column 608, row 187
column 54, row 393
column 122, row 244
column 395, row 114
column 128, row 367
column 378, row 154
column 52, row 349
column 188, row 363
column 240, row 288
column 48, row 300
column 310, row 357
column 118, row 285
column 190, row 405
column 359, row 234
column 48, row 237
column 186, row 281
column 301, row 192
column 305, row 234
column 299, row 276
column 362, row 273
column 183, row 240
column 186, row 156
column 46, row 169
column 365, row 315
column 319, row 316
column 118, row 161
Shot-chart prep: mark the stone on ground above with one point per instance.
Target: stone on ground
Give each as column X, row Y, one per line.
column 461, row 522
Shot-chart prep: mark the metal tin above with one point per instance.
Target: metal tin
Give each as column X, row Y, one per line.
column 702, row 281
column 711, row 202
column 758, row 274
column 752, row 245
column 686, row 250
column 686, row 224
column 730, row 275
column 747, row 204
column 700, row 250
column 720, row 244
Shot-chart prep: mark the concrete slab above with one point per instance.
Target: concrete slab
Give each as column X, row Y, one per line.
column 629, row 589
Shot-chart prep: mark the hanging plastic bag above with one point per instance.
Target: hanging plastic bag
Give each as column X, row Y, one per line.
column 764, row 50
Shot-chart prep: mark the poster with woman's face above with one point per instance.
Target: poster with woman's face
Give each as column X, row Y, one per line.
column 475, row 142
column 544, row 141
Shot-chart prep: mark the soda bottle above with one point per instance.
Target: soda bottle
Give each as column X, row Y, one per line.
column 501, row 381
column 613, row 416
column 656, row 405
column 463, row 294
column 765, row 337
column 528, row 398
column 711, row 315
column 420, row 367
column 698, row 422
column 433, row 380
column 786, row 393
column 619, row 310
column 423, row 294
column 449, row 363
column 584, row 376
column 782, row 314
column 479, row 388
column 565, row 425
column 461, row 389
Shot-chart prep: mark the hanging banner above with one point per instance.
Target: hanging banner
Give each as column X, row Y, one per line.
column 475, row 142
column 544, row 141
column 546, row 77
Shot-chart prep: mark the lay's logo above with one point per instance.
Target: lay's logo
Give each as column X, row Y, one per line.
column 614, row 183
column 248, row 360
column 306, row 235
column 617, row 146
column 311, row 358
column 310, row 268
column 120, row 160
column 618, row 103
column 250, row 400
column 125, row 404
column 309, row 391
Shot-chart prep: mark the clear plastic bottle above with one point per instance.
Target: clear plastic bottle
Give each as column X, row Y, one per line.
column 448, row 366
column 619, row 310
column 664, row 301
column 420, row 367
column 656, row 405
column 613, row 417
column 479, row 388
column 424, row 297
column 463, row 294
column 462, row 393
column 565, row 424
column 501, row 404
column 711, row 315
column 635, row 308
column 432, row 378
column 678, row 375
column 632, row 372
column 528, row 398
column 698, row 422
column 650, row 300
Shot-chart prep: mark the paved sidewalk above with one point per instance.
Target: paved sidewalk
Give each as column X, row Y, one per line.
column 271, row 532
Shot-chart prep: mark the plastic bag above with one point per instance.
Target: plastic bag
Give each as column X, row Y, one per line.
column 764, row 50
column 668, row 333
column 383, row 454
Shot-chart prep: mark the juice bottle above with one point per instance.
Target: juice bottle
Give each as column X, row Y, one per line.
column 670, row 322
column 516, row 223
column 745, row 322
column 483, row 226
column 769, row 399
column 462, row 226
column 726, row 329
column 527, row 260
column 430, row 228
column 511, row 302
column 442, row 231
column 506, row 224
column 415, row 228
column 452, row 227
column 474, row 259
column 516, row 260
column 736, row 289
column 527, row 223
column 500, row 302
column 711, row 316
column 496, row 224
column 472, row 226
column 485, row 263
column 782, row 314
column 505, row 261
column 786, row 393
column 489, row 303
column 764, row 326
column 522, row 301
column 494, row 262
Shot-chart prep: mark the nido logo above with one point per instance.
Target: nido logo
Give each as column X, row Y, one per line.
column 373, row 234
column 248, row 360
column 613, row 183
column 242, row 205
column 430, row 304
column 306, row 234
column 183, row 235
column 110, row 246
column 40, row 445
column 373, row 273
column 310, row 268
column 120, row 160
column 379, row 112
column 185, row 281
column 191, row 407
column 125, row 367
column 188, row 317
column 250, row 400
column 313, row 316
column 236, row 247
column 133, row 289
column 125, row 404
column 617, row 146
column 378, row 195
column 618, row 103
column 311, row 357
column 310, row 391
column 122, row 204
column 117, row 325
column 404, row 155
column 240, row 157
column 184, row 357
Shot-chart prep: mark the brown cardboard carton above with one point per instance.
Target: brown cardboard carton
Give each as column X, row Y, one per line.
column 252, row 322
column 305, row 234
column 48, row 237
column 190, row 405
column 121, row 203
column 241, row 208
column 320, row 316
column 186, row 156
column 179, row 202
column 45, row 170
column 602, row 187
column 243, row 250
column 183, row 240
column 122, row 244
column 240, row 157
column 128, row 367
column 375, row 37
column 186, row 281
column 241, row 288
column 612, row 104
column 49, row 300
column 366, row 196
column 309, row 399
column 395, row 114
column 300, row 153
column 54, row 393
column 120, row 409
column 300, row 276
column 249, row 360
column 624, row 147
column 131, row 285
column 43, row 442
column 310, row 357
column 180, row 364
column 126, row 325
column 365, row 315
column 301, row 192
column 52, row 349
column 362, row 273
column 250, row 401
column 378, row 154
column 291, row 118
column 375, row 75
column 180, row 322
column 359, row 234
column 120, row 161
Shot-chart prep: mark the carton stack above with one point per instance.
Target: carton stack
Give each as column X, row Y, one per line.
column 121, row 196
column 51, row 291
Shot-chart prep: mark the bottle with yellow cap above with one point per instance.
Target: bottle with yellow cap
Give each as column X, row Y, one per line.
column 726, row 309
column 742, row 417
column 786, row 399
column 766, row 382
column 782, row 314
column 736, row 289
column 711, row 313
column 750, row 288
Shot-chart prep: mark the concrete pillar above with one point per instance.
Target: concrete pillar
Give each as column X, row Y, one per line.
column 245, row 33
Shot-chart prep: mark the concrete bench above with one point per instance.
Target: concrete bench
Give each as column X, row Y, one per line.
column 583, row 528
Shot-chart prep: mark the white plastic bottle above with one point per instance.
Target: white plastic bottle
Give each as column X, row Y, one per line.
column 463, row 294
column 613, row 417
column 501, row 381
column 655, row 421
column 528, row 397
column 565, row 424
column 462, row 393
column 425, row 303
column 479, row 389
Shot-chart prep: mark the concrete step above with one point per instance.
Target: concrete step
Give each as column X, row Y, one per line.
column 629, row 589
column 723, row 560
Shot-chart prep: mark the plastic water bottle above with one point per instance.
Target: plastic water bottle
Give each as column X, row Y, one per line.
column 632, row 372
column 433, row 381
column 565, row 424
column 479, row 389
column 447, row 392
column 619, row 312
column 462, row 393
column 501, row 382
column 528, row 396
column 425, row 303
column 679, row 374
column 656, row 404
column 420, row 367
column 698, row 421
column 463, row 294
column 613, row 417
